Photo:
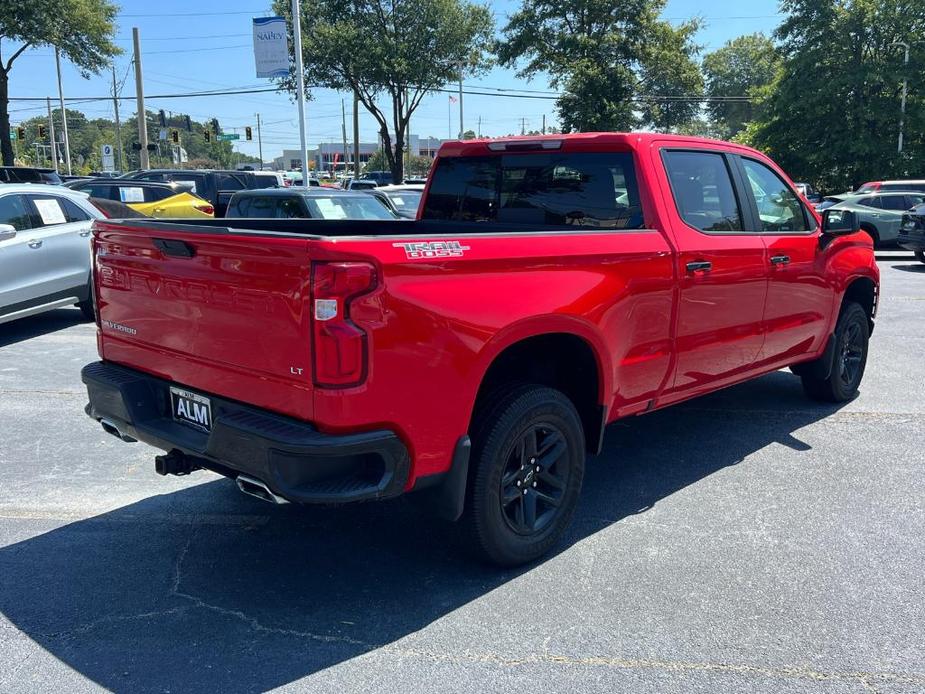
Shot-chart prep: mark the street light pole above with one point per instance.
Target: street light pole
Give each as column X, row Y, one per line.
column 902, row 104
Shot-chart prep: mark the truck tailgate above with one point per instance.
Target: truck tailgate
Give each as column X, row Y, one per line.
column 225, row 313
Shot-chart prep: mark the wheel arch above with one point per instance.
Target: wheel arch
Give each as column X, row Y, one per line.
column 570, row 358
column 864, row 291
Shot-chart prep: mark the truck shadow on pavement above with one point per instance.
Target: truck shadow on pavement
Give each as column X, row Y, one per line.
column 205, row 589
column 40, row 324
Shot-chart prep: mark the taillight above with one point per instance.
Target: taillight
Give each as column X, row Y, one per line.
column 205, row 207
column 339, row 346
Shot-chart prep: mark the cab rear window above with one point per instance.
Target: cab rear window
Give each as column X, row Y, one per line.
column 594, row 190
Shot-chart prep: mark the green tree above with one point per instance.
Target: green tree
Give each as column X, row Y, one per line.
column 831, row 116
column 618, row 65
column 81, row 29
column 739, row 69
column 399, row 49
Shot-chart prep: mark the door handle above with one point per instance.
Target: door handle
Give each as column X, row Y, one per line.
column 35, row 243
column 699, row 266
column 780, row 259
column 85, row 234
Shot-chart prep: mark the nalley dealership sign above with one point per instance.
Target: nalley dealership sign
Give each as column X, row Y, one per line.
column 271, row 46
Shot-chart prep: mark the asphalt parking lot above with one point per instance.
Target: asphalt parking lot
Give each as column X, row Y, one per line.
column 748, row 541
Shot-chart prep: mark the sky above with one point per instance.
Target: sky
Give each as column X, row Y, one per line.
column 207, row 45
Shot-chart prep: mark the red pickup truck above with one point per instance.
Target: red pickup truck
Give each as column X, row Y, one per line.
column 550, row 286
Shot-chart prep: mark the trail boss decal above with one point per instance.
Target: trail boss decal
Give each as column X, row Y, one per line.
column 432, row 249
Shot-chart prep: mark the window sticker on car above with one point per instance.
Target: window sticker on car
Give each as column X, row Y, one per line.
column 330, row 209
column 132, row 194
column 50, row 211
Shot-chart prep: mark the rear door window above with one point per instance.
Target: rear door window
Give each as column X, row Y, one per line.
column 896, row 203
column 595, row 190
column 872, row 201
column 154, row 194
column 703, row 190
column 73, row 211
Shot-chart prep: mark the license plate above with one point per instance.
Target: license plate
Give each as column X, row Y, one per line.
column 191, row 408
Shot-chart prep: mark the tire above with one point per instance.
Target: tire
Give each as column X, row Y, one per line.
column 872, row 232
column 87, row 308
column 520, row 501
column 920, row 256
column 852, row 335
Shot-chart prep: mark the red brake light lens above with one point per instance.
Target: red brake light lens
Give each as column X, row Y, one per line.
column 339, row 346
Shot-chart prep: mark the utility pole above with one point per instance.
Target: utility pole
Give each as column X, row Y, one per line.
column 144, row 162
column 408, row 135
column 460, row 101
column 300, row 84
column 51, row 135
column 259, row 143
column 356, row 135
column 902, row 103
column 115, row 108
column 67, row 144
column 523, row 125
column 544, row 123
column 449, row 117
column 480, row 127
column 343, row 127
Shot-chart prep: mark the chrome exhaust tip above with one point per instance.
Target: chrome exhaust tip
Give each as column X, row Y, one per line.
column 254, row 487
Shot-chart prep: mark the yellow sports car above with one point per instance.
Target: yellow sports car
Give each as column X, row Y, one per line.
column 147, row 197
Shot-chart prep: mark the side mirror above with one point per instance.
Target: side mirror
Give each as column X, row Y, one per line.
column 7, row 232
column 839, row 222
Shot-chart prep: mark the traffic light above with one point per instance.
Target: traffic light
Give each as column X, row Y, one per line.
column 189, row 125
column 21, row 133
column 215, row 126
column 248, row 134
column 175, row 136
column 206, row 134
column 42, row 132
column 136, row 146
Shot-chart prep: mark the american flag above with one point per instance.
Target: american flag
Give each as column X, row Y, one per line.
column 453, row 99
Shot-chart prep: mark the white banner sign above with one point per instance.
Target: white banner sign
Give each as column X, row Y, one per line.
column 109, row 159
column 271, row 46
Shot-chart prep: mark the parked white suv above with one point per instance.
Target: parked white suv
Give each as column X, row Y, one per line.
column 44, row 250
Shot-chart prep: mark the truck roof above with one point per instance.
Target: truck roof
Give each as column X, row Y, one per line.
column 573, row 141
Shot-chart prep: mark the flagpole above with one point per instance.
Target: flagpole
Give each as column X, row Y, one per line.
column 300, row 85
column 449, row 117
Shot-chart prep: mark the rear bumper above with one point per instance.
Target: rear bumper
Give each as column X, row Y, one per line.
column 291, row 457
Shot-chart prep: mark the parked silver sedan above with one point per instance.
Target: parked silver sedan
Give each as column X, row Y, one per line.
column 44, row 250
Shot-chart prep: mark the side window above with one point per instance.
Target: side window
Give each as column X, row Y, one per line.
column 914, row 201
column 99, row 191
column 896, row 203
column 229, row 182
column 241, row 208
column 13, row 211
column 779, row 209
column 261, row 207
column 289, row 208
column 873, row 201
column 703, row 190
column 73, row 211
column 47, row 211
column 154, row 194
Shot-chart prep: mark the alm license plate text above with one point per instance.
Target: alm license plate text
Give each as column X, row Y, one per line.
column 191, row 408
